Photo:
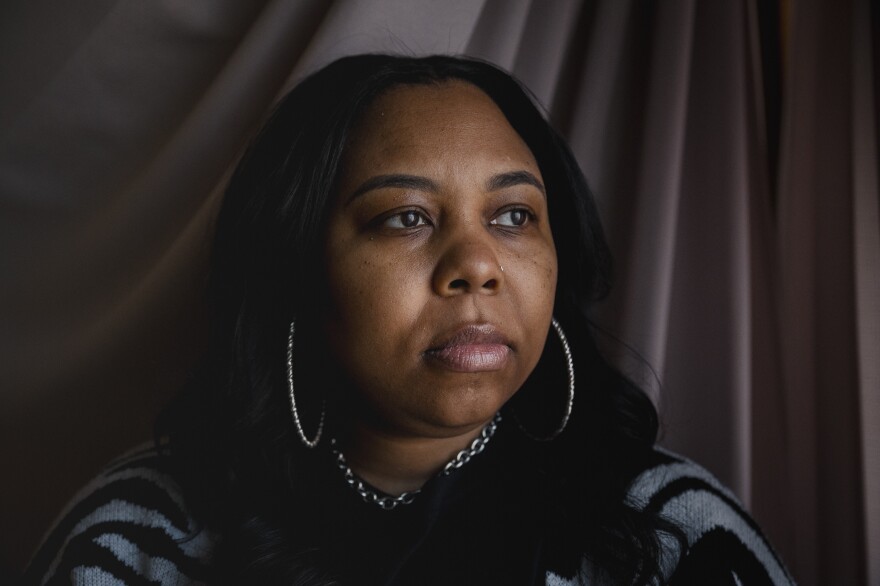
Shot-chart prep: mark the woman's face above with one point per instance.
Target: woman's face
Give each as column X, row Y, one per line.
column 441, row 267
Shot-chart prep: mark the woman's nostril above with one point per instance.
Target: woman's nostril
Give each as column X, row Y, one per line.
column 458, row 284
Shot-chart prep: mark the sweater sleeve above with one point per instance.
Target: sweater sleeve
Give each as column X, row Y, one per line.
column 127, row 526
column 725, row 545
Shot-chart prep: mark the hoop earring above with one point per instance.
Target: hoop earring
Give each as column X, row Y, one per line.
column 569, row 363
column 296, row 421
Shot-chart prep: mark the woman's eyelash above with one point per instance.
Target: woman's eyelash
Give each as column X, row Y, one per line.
column 405, row 219
column 513, row 218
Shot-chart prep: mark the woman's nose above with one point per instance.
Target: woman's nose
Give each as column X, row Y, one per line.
column 468, row 266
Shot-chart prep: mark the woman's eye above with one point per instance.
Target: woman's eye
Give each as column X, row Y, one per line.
column 514, row 217
column 407, row 219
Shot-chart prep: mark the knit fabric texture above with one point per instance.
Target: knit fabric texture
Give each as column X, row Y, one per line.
column 130, row 526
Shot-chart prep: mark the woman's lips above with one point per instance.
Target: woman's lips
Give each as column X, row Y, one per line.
column 473, row 348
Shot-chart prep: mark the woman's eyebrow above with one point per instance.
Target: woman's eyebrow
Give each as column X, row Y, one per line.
column 394, row 180
column 400, row 180
column 512, row 178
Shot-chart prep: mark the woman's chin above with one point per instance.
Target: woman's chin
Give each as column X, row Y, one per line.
column 461, row 416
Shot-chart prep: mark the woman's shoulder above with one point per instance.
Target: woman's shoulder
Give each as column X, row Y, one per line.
column 724, row 544
column 129, row 525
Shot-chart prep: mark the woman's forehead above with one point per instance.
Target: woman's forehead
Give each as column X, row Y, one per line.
column 447, row 107
column 437, row 125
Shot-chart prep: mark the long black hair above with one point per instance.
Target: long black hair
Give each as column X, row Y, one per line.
column 231, row 438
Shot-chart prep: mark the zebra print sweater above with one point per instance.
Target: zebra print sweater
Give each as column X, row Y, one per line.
column 130, row 526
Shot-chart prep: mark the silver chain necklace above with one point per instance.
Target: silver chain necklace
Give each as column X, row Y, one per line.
column 388, row 502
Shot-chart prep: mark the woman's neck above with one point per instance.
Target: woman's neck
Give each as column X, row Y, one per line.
column 399, row 463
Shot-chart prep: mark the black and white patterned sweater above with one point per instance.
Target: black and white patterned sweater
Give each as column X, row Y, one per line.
column 129, row 526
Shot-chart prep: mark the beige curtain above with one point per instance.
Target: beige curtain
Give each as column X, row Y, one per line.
column 753, row 293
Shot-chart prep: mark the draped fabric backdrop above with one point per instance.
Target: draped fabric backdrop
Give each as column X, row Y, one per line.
column 732, row 146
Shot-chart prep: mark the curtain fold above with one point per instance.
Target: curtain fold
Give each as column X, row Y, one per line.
column 866, row 242
column 651, row 230
column 754, row 297
column 817, row 297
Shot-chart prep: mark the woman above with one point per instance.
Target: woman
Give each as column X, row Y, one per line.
column 402, row 386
